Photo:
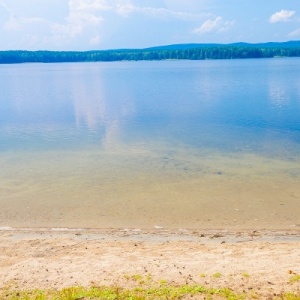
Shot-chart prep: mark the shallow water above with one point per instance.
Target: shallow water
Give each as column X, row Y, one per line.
column 173, row 144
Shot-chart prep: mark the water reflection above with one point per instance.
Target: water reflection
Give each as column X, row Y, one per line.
column 279, row 93
column 90, row 106
column 96, row 107
column 278, row 96
column 219, row 104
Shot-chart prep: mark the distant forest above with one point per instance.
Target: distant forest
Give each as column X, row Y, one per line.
column 185, row 51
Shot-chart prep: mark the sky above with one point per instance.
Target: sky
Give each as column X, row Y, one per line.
column 114, row 24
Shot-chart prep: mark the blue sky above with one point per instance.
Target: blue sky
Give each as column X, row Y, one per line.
column 110, row 24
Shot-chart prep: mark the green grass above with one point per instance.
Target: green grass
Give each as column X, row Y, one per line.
column 295, row 278
column 113, row 293
column 246, row 275
column 144, row 288
column 165, row 291
column 217, row 275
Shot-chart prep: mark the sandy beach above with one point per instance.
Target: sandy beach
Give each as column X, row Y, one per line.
column 260, row 262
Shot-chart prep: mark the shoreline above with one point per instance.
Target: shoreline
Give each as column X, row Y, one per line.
column 157, row 233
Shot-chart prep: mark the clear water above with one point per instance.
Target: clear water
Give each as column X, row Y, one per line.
column 193, row 144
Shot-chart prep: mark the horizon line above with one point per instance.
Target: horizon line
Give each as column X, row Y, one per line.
column 161, row 46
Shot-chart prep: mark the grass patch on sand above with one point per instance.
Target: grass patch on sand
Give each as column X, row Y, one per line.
column 114, row 293
column 139, row 293
column 295, row 278
column 144, row 288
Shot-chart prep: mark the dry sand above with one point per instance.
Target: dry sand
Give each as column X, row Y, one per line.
column 260, row 261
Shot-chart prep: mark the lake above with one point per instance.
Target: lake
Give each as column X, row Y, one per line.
column 172, row 144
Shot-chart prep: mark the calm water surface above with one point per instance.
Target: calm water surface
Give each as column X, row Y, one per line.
column 177, row 144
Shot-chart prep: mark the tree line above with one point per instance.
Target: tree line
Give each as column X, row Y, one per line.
column 22, row 56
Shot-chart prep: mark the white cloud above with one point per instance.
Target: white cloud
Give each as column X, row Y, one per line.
column 95, row 40
column 93, row 5
column 126, row 9
column 82, row 13
column 84, row 18
column 295, row 32
column 282, row 16
column 214, row 25
column 15, row 23
column 83, row 21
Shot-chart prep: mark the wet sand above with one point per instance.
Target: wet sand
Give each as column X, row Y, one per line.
column 210, row 203
column 260, row 263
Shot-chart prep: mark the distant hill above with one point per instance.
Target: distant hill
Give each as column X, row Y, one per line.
column 168, row 52
column 278, row 45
